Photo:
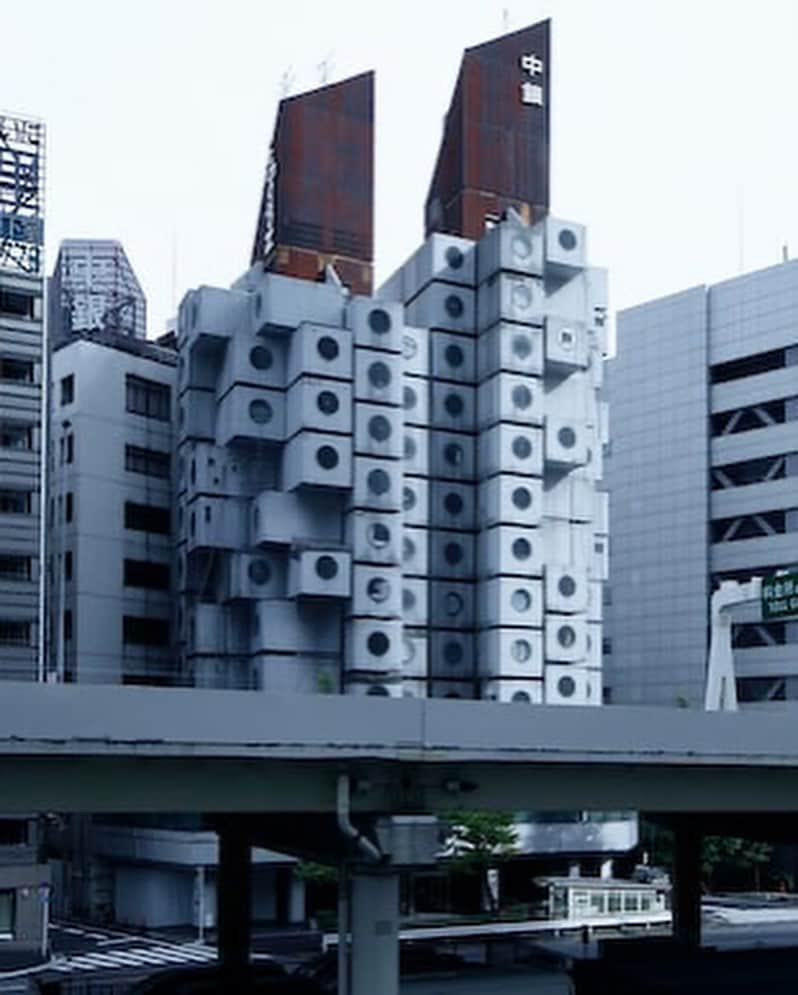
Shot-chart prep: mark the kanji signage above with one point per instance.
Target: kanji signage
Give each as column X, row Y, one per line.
column 780, row 595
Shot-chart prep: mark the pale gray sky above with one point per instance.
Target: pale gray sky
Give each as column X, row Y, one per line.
column 671, row 120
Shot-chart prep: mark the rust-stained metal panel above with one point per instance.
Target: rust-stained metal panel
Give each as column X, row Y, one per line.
column 317, row 206
column 495, row 148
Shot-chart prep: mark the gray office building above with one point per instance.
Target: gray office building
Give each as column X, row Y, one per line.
column 703, row 480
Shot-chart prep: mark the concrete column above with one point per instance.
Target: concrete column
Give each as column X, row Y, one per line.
column 234, row 900
column 375, row 931
column 686, row 895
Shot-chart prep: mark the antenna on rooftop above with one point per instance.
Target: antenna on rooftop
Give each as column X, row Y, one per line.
column 325, row 68
column 287, row 81
column 785, row 253
column 505, row 18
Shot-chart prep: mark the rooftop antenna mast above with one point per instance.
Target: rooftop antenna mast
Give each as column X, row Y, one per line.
column 325, row 67
column 287, row 81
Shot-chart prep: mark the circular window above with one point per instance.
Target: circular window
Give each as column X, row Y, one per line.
column 409, row 346
column 408, row 548
column 453, row 454
column 327, row 402
column 378, row 644
column 453, row 503
column 454, row 355
column 566, row 437
column 520, row 650
column 378, row 589
column 453, row 653
column 261, row 357
column 378, row 535
column 566, row 636
column 326, row 567
column 326, row 457
column 454, row 306
column 409, row 398
column 378, row 482
column 454, row 405
column 408, row 651
column 566, row 687
column 567, row 239
column 567, row 586
column 379, row 375
column 378, row 691
column 379, row 428
column 379, row 321
column 410, row 448
column 521, row 600
column 522, row 549
column 454, row 257
column 522, row 447
column 567, row 338
column 453, row 553
column 408, row 600
column 521, row 346
column 453, row 604
column 408, row 498
column 522, row 498
column 521, row 247
column 260, row 411
column 522, row 296
column 522, row 396
column 327, row 348
column 259, row 571
column 521, row 698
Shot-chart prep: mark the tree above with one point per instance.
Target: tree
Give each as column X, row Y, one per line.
column 477, row 841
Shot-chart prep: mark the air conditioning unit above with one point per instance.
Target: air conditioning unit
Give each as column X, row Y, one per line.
column 510, row 601
column 319, row 351
column 415, row 601
column 415, row 451
column 316, row 460
column 376, row 324
column 566, row 638
column 510, row 348
column 452, row 505
column 565, row 248
column 377, row 484
column 509, row 499
column 513, row 692
column 251, row 414
column 374, row 687
column 374, row 538
column 572, row 686
column 415, row 401
column 256, row 575
column 510, row 246
column 414, row 654
column 415, row 552
column 373, row 646
column 566, row 346
column 566, row 443
column 319, row 573
column 378, row 431
column 443, row 306
column 513, row 653
column 453, row 406
column 378, row 377
column 441, row 257
column 376, row 591
column 451, row 554
column 319, row 405
column 452, row 654
column 452, row 455
column 453, row 357
column 415, row 351
column 509, row 448
column 415, row 500
column 456, row 690
column 511, row 397
column 452, row 604
column 566, row 588
column 507, row 297
column 510, row 550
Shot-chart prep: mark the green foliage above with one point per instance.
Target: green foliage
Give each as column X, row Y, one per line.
column 310, row 872
column 480, row 839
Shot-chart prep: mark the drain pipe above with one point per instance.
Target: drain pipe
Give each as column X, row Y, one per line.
column 363, row 843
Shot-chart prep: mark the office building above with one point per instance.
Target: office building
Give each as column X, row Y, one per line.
column 94, row 288
column 703, row 476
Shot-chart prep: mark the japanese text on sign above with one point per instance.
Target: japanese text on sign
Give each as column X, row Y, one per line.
column 531, row 91
column 780, row 595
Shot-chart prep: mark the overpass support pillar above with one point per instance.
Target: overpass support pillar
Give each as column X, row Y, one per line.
column 234, row 900
column 374, row 913
column 686, row 896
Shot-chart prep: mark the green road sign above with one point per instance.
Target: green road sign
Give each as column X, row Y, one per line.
column 780, row 595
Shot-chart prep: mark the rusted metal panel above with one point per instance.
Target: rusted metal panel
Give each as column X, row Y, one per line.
column 317, row 206
column 495, row 148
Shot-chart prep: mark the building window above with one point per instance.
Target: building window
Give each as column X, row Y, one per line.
column 137, row 631
column 15, row 435
column 145, row 573
column 16, row 303
column 7, row 903
column 147, row 518
column 68, row 565
column 15, row 502
column 149, row 462
column 13, row 832
column 15, row 567
column 67, row 626
column 68, row 389
column 14, row 632
column 16, row 370
column 70, row 448
column 148, row 398
column 69, row 507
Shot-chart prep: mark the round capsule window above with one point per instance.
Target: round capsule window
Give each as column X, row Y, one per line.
column 566, row 586
column 259, row 571
column 453, row 653
column 327, row 402
column 521, row 247
column 378, row 482
column 522, row 549
column 522, row 396
column 521, row 698
column 522, row 296
column 378, row 644
column 454, row 405
column 454, row 355
column 521, row 650
column 566, row 687
column 453, row 503
column 378, row 535
column 260, row 411
column 567, row 239
column 408, row 600
column 521, row 346
column 453, row 454
column 326, row 567
column 327, row 457
column 566, row 636
column 521, row 600
column 566, row 339
column 261, row 357
column 409, row 398
column 409, row 346
column 379, row 428
column 408, row 499
column 522, row 447
column 379, row 375
column 454, row 257
column 408, row 548
column 453, row 604
column 409, row 447
column 378, row 590
column 327, row 348
column 521, row 498
column 454, row 306
column 408, row 650
column 379, row 321
column 566, row 437
column 453, row 553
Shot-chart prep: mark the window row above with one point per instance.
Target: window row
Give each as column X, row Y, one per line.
column 148, row 397
column 16, row 370
column 754, row 416
column 763, row 523
column 17, row 303
column 16, row 435
column 750, row 366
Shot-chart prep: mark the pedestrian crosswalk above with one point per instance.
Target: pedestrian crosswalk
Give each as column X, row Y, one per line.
column 157, row 955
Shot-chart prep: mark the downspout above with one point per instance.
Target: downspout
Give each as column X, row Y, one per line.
column 366, row 847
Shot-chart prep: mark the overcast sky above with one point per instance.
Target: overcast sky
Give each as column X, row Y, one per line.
column 673, row 123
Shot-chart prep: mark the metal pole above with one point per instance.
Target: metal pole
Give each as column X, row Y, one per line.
column 343, row 930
